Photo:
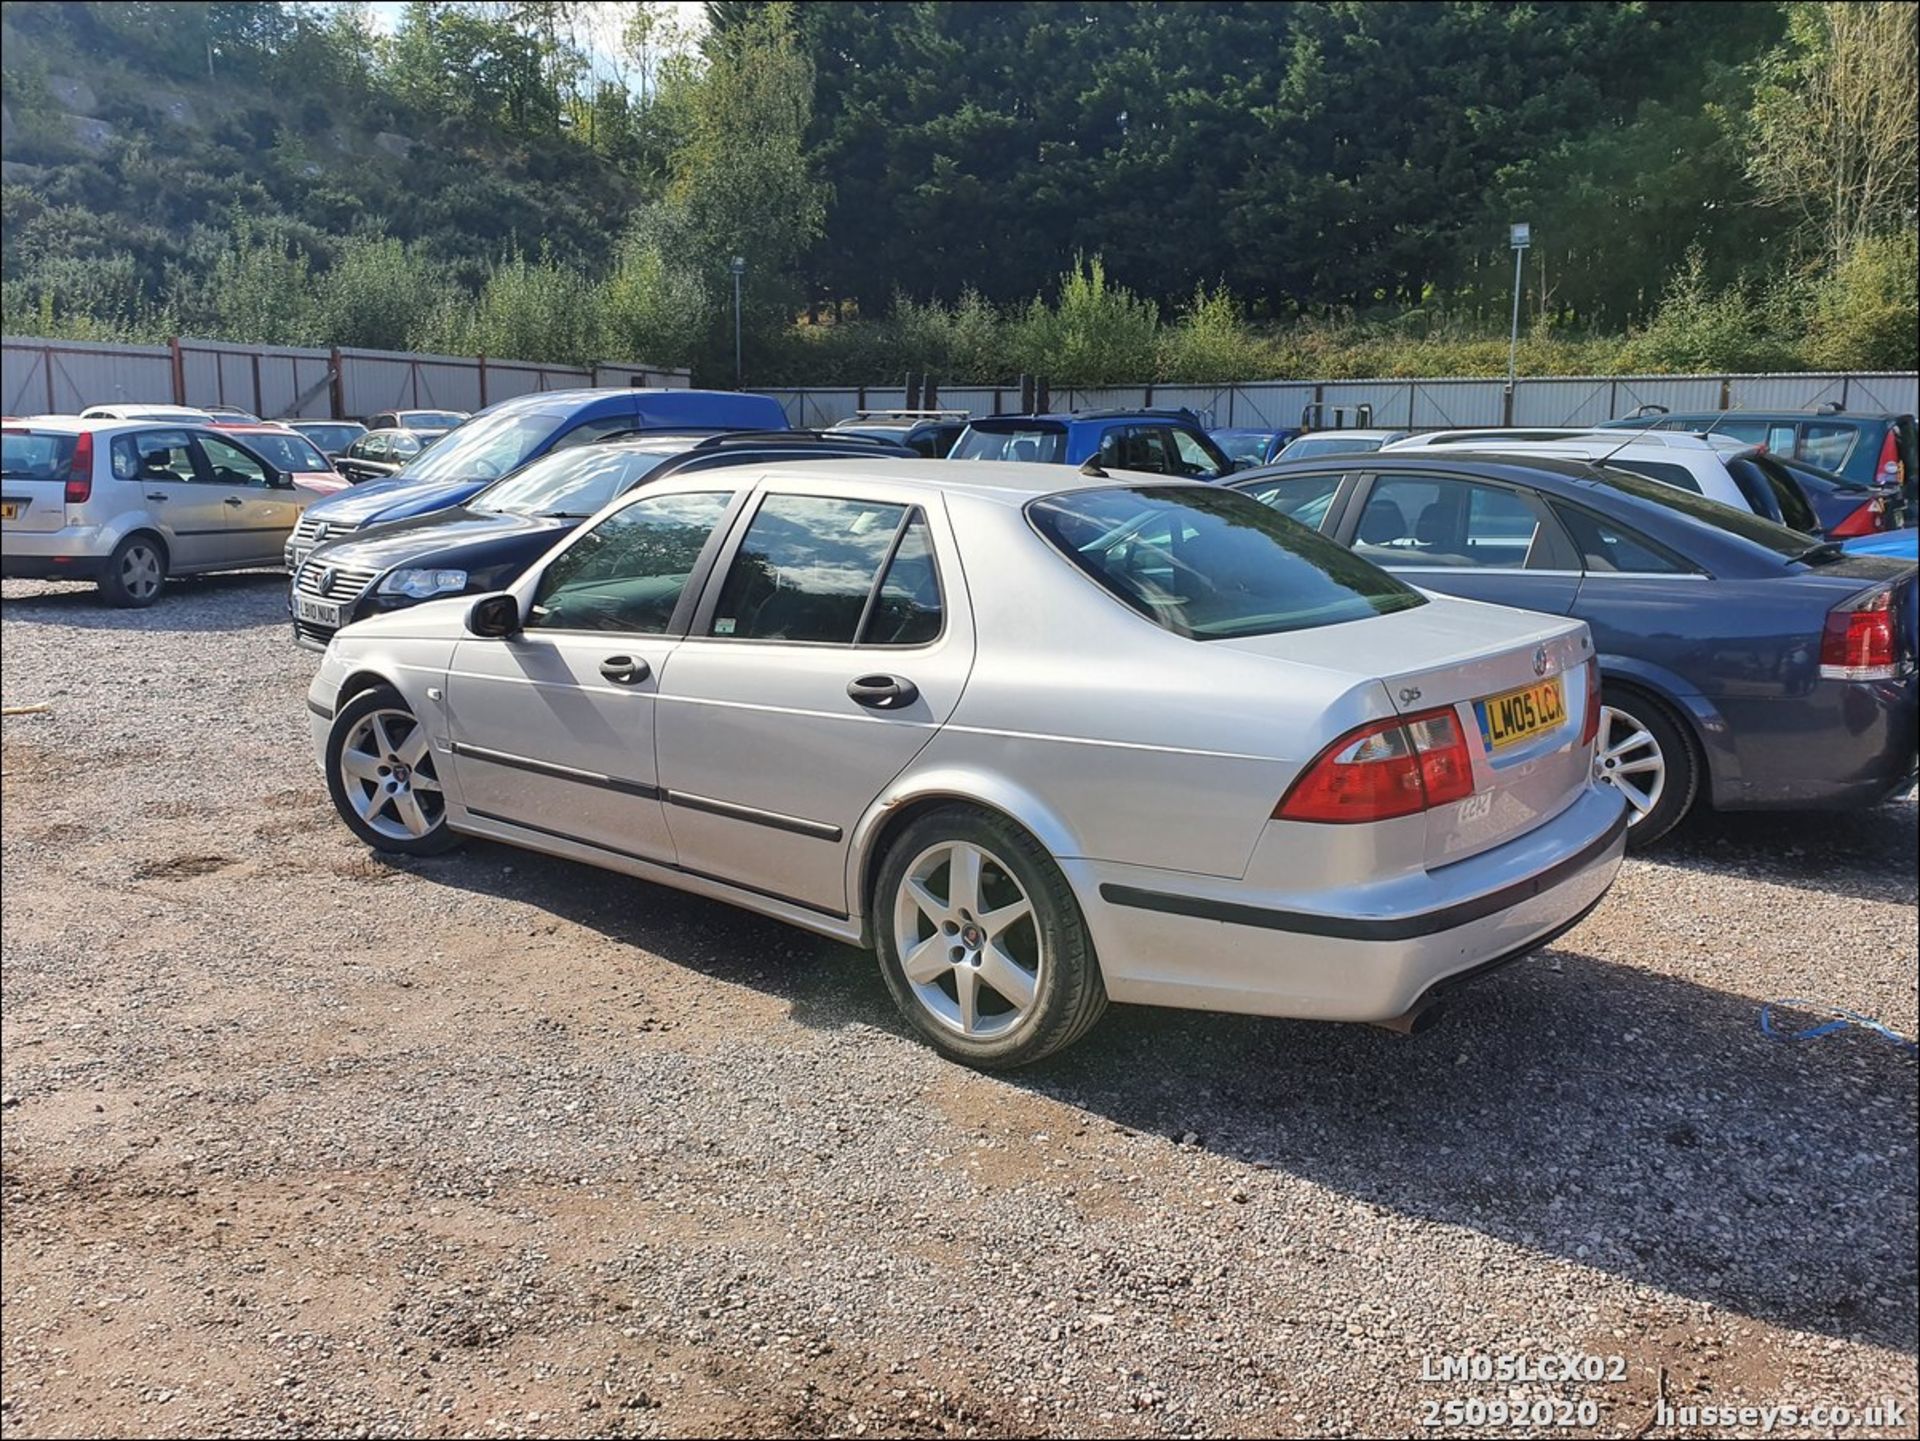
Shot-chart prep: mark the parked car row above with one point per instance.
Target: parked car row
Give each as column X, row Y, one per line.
column 1086, row 712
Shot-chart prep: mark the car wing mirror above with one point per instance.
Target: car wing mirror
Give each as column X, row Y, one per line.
column 494, row 616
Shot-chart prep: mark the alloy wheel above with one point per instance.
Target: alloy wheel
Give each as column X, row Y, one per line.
column 968, row 940
column 1629, row 759
column 140, row 571
column 387, row 771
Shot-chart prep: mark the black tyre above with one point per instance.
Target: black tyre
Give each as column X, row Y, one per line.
column 135, row 572
column 383, row 778
column 981, row 941
column 1645, row 753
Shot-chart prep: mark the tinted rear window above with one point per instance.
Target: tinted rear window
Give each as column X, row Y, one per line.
column 27, row 456
column 1771, row 534
column 1311, row 445
column 1047, row 443
column 1212, row 564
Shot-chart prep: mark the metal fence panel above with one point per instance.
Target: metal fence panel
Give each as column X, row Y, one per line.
column 1585, row 401
column 1899, row 394
column 1265, row 405
column 1392, row 400
column 608, row 373
column 1447, row 404
column 43, row 376
column 979, row 399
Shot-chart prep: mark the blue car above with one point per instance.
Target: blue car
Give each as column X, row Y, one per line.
column 1900, row 544
column 1742, row 663
column 1159, row 442
column 1248, row 448
column 504, row 437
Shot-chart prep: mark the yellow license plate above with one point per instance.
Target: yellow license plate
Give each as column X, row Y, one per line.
column 9, row 510
column 1509, row 719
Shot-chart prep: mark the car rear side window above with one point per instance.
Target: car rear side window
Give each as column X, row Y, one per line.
column 806, row 569
column 158, row 455
column 627, row 573
column 1827, row 444
column 1607, row 548
column 1046, row 443
column 1210, row 563
column 1674, row 475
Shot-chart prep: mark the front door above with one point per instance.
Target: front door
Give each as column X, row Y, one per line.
column 1469, row 538
column 553, row 728
column 259, row 516
column 168, row 479
column 832, row 646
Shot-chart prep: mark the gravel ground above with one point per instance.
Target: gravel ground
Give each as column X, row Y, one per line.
column 299, row 1141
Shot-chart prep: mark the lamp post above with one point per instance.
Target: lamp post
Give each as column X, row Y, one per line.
column 1520, row 236
column 739, row 268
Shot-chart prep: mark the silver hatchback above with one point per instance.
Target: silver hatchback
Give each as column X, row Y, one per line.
column 1044, row 740
column 127, row 503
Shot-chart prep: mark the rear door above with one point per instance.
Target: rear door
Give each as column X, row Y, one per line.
column 161, row 474
column 258, row 515
column 833, row 642
column 1467, row 537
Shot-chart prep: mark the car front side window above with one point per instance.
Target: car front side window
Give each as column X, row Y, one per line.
column 628, row 573
column 1422, row 521
column 230, row 465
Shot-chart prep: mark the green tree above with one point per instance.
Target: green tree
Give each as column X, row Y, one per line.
column 741, row 175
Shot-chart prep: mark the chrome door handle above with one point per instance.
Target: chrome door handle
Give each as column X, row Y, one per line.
column 625, row 669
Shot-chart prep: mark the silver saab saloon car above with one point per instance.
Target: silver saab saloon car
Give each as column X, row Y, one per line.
column 1043, row 739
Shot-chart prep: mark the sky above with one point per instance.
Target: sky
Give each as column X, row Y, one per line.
column 600, row 29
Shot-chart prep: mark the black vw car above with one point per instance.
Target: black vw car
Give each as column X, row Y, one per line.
column 484, row 544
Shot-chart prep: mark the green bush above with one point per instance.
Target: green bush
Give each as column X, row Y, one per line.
column 1866, row 315
column 1094, row 333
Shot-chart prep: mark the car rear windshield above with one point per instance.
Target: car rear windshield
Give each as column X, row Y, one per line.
column 1308, row 446
column 485, row 449
column 30, row 455
column 1212, row 564
column 429, row 419
column 569, row 483
column 1047, row 443
column 1758, row 529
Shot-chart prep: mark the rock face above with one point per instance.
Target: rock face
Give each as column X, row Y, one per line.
column 394, row 144
column 91, row 135
column 73, row 94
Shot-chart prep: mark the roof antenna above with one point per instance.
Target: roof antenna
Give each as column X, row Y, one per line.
column 1092, row 468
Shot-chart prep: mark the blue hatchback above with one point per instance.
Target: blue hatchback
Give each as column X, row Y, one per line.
column 506, row 436
column 1159, row 442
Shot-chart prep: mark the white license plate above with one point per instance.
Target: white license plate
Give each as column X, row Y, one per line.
column 10, row 509
column 318, row 612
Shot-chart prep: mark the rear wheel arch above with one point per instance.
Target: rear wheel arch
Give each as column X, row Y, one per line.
column 877, row 836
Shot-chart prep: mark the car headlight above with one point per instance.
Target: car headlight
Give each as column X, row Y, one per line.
column 420, row 584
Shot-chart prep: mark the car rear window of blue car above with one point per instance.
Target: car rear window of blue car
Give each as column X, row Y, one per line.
column 1046, row 443
column 1213, row 564
column 1758, row 529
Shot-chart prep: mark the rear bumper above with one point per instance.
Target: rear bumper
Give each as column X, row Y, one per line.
column 74, row 553
column 1849, row 745
column 1176, row 939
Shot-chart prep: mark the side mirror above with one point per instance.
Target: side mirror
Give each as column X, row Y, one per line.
column 494, row 616
column 279, row 479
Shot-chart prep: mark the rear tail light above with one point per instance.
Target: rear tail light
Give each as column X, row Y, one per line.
column 1590, row 723
column 1857, row 643
column 1889, row 469
column 80, row 470
column 1864, row 520
column 1387, row 769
